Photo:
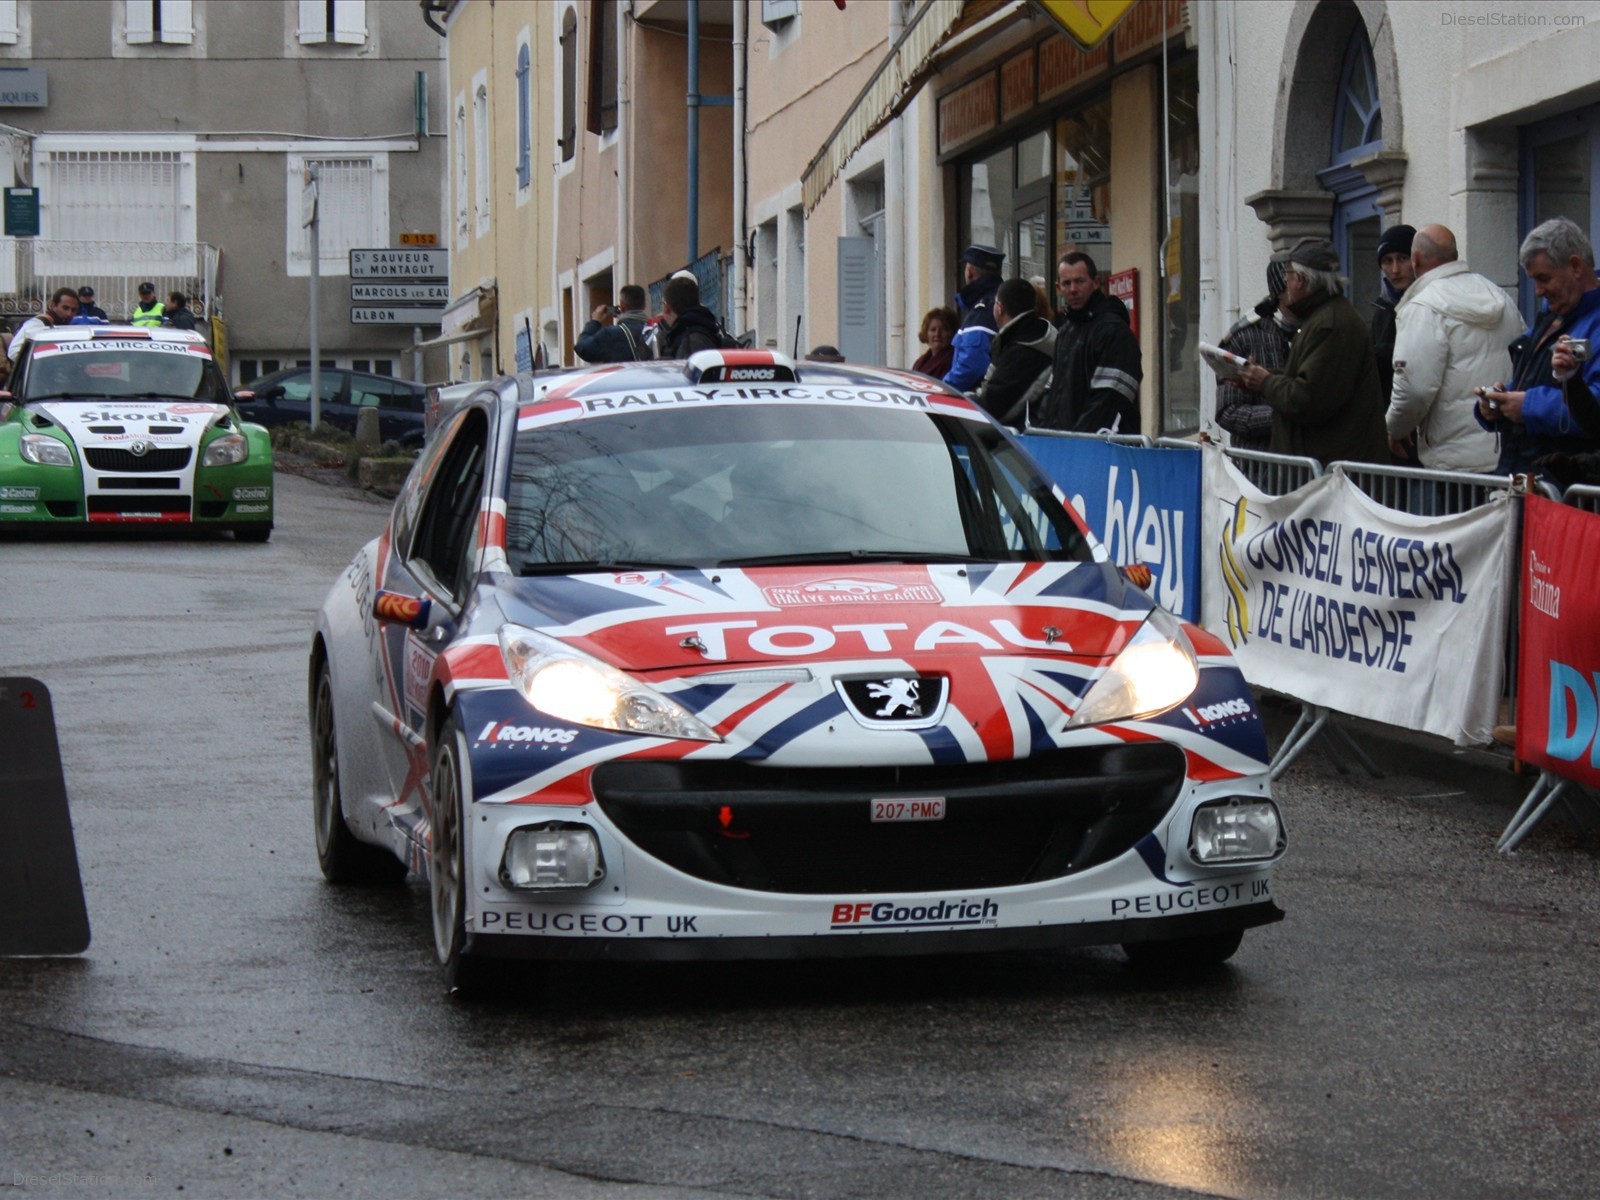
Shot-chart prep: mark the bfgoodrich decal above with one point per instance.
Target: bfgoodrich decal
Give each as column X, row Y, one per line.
column 941, row 914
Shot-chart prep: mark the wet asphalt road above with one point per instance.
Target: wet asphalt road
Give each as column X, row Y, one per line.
column 1419, row 1026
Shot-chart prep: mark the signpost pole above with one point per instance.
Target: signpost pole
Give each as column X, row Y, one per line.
column 308, row 199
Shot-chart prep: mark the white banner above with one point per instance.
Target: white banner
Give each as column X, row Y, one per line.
column 1329, row 597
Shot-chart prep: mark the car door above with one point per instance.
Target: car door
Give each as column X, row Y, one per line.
column 432, row 558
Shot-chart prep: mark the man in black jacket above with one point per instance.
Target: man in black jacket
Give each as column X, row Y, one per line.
column 1098, row 367
column 1394, row 260
column 687, row 326
column 1020, row 356
column 612, row 336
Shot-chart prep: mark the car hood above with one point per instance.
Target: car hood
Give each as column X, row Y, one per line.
column 672, row 621
column 123, row 422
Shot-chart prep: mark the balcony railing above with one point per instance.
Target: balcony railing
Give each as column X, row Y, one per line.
column 31, row 269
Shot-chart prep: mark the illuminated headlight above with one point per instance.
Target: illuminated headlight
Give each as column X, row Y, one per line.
column 1236, row 830
column 552, row 857
column 45, row 450
column 1155, row 671
column 228, row 449
column 570, row 686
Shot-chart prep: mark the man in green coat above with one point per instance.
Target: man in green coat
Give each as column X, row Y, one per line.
column 1326, row 402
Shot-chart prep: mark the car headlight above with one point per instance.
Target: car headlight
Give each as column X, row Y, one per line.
column 1238, row 829
column 45, row 450
column 1156, row 670
column 228, row 449
column 570, row 686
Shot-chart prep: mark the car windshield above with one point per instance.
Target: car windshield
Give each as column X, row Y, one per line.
column 95, row 370
column 752, row 485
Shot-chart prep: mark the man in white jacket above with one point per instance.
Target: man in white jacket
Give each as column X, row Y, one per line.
column 1452, row 332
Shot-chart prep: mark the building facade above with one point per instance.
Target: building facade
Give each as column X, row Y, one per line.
column 171, row 140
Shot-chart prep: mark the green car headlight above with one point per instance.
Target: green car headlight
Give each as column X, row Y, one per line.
column 45, row 450
column 227, row 450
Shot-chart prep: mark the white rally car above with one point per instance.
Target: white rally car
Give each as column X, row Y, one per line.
column 734, row 657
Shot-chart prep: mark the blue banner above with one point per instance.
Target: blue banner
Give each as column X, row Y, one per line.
column 1142, row 503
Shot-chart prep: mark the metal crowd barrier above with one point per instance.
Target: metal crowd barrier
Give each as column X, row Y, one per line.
column 1117, row 439
column 1426, row 492
column 1274, row 474
column 1584, row 496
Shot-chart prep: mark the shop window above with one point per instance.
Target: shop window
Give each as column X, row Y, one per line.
column 1083, row 183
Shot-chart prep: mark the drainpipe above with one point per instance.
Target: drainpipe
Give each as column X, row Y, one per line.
column 624, row 148
column 740, row 230
column 693, row 102
column 894, row 250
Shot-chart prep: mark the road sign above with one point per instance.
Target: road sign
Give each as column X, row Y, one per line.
column 400, row 264
column 419, row 239
column 395, row 315
column 402, row 291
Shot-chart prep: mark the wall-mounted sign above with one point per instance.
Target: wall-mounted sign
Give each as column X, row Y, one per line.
column 419, row 239
column 1087, row 22
column 22, row 212
column 967, row 113
column 400, row 292
column 24, row 87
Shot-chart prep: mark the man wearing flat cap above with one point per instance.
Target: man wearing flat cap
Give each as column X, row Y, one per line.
column 1325, row 402
column 980, row 269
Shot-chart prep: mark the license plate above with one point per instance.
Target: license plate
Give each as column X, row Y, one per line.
column 921, row 808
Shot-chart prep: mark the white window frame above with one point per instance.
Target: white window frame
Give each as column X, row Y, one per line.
column 334, row 260
column 53, row 255
column 350, row 25
column 480, row 151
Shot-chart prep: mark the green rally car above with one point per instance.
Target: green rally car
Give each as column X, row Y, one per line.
column 112, row 423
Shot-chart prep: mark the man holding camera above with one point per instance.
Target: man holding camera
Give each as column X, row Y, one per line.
column 1530, row 414
column 1454, row 329
column 612, row 336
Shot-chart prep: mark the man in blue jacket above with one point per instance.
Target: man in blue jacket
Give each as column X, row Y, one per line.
column 975, row 302
column 1529, row 413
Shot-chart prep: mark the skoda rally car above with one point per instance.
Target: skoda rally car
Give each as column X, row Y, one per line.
column 739, row 657
column 122, row 424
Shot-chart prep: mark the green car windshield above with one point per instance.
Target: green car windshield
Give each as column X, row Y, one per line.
column 74, row 372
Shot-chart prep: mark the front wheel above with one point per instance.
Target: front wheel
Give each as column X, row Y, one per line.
column 466, row 974
column 344, row 858
column 1184, row 954
column 252, row 533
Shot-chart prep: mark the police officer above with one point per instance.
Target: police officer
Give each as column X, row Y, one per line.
column 149, row 311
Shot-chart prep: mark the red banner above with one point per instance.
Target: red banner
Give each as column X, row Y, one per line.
column 1558, row 674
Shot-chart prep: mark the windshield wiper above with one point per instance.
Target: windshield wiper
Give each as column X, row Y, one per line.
column 582, row 565
column 846, row 556
column 68, row 396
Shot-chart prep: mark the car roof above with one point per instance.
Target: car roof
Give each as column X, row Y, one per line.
column 731, row 376
column 142, row 333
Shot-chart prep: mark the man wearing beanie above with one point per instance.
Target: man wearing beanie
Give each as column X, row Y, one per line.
column 1325, row 402
column 1264, row 337
column 1394, row 260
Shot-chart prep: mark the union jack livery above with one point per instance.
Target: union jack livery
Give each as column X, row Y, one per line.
column 735, row 657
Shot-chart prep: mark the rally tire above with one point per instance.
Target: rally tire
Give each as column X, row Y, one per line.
column 252, row 533
column 1178, row 955
column 467, row 976
column 344, row 858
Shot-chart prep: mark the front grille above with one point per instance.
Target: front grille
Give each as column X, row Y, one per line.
column 141, row 483
column 162, row 458
column 138, row 504
column 809, row 830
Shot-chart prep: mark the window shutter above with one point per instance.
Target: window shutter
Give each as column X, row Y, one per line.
column 857, row 298
column 177, row 22
column 313, row 22
column 141, row 27
column 10, row 31
column 350, row 22
column 524, row 121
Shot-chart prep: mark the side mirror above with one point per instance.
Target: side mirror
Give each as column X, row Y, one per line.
column 392, row 608
column 244, row 397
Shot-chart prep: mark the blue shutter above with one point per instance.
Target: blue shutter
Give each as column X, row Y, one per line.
column 524, row 123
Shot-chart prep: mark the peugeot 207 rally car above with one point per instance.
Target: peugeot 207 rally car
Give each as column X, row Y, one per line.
column 730, row 657
column 108, row 423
